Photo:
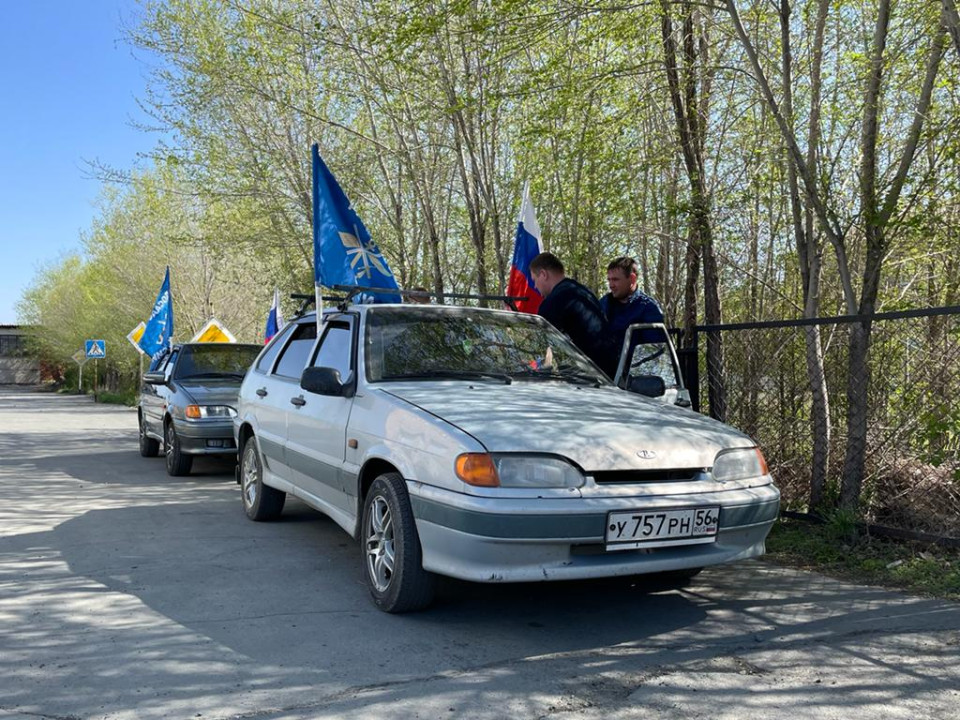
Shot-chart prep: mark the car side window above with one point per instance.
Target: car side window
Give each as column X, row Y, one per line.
column 334, row 349
column 168, row 368
column 266, row 360
column 293, row 358
column 157, row 363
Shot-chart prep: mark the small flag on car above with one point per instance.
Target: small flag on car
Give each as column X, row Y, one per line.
column 274, row 318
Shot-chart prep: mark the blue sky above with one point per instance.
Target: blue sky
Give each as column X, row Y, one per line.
column 68, row 90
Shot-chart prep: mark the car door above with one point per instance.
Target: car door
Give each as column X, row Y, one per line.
column 153, row 398
column 649, row 364
column 272, row 386
column 317, row 427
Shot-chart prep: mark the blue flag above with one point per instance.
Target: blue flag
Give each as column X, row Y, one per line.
column 343, row 251
column 159, row 330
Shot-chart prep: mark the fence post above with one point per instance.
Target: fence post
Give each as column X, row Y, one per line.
column 689, row 358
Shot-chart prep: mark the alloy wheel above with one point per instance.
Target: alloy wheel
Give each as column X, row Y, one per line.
column 380, row 544
column 251, row 474
column 168, row 445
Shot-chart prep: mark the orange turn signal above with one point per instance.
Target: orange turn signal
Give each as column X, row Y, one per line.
column 477, row 469
column 192, row 412
column 763, row 462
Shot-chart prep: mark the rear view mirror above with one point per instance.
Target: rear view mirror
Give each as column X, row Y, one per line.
column 322, row 381
column 648, row 385
column 154, row 378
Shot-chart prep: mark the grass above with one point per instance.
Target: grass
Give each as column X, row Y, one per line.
column 837, row 548
column 122, row 398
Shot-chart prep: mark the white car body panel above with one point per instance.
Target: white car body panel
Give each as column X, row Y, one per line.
column 418, row 428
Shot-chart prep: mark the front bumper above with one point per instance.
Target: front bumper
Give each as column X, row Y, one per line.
column 206, row 437
column 486, row 539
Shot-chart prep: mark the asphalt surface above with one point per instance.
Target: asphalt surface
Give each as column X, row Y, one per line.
column 125, row 593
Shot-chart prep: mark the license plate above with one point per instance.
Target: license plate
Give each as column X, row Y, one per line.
column 661, row 528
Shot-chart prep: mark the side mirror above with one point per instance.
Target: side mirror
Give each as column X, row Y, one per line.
column 154, row 378
column 649, row 385
column 322, row 381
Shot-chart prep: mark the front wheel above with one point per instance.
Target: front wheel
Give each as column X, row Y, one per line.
column 392, row 558
column 178, row 462
column 260, row 502
column 148, row 446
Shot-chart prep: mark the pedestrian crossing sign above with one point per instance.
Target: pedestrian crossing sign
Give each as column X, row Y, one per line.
column 213, row 331
column 96, row 349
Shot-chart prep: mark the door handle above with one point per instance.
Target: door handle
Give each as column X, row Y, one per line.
column 262, row 392
column 298, row 401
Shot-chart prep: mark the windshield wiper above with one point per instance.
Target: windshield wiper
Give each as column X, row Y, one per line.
column 582, row 378
column 573, row 376
column 212, row 375
column 453, row 374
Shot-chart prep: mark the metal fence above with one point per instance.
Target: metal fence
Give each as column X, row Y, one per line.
column 912, row 474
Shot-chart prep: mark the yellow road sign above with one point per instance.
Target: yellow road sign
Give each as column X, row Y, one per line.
column 134, row 336
column 213, row 331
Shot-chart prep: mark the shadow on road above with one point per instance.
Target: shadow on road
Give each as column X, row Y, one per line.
column 117, row 580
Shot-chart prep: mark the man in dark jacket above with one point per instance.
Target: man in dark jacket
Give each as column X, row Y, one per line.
column 574, row 310
column 626, row 304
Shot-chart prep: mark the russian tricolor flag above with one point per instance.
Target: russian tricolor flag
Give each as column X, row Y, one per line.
column 527, row 246
column 274, row 318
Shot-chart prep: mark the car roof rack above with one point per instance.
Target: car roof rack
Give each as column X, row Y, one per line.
column 354, row 290
column 307, row 300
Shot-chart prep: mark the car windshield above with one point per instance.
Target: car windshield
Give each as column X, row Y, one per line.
column 214, row 360
column 431, row 343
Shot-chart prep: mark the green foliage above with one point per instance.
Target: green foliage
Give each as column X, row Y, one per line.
column 842, row 525
column 919, row 568
column 433, row 113
column 128, row 398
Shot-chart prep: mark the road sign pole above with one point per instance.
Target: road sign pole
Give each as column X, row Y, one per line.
column 80, row 381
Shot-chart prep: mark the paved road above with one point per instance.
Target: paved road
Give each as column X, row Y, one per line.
column 128, row 594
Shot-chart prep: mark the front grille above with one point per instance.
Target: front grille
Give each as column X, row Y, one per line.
column 614, row 477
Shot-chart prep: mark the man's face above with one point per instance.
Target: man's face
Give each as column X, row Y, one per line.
column 621, row 285
column 541, row 281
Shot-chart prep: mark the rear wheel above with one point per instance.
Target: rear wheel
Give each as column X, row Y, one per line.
column 392, row 557
column 148, row 446
column 260, row 502
column 178, row 463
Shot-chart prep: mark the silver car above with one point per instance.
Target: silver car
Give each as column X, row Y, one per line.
column 482, row 445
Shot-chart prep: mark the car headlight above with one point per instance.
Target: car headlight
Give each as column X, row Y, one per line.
column 739, row 464
column 202, row 412
column 517, row 471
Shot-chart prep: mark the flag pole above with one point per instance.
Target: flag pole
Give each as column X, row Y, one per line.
column 319, row 303
column 315, row 205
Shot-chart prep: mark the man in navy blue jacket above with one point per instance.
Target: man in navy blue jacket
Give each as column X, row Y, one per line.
column 626, row 305
column 574, row 310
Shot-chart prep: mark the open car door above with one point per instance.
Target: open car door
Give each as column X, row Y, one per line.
column 649, row 365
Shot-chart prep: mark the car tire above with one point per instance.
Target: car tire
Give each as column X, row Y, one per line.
column 178, row 462
column 260, row 502
column 390, row 544
column 148, row 446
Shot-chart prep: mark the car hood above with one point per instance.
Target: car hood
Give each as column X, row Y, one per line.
column 598, row 428
column 212, row 392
